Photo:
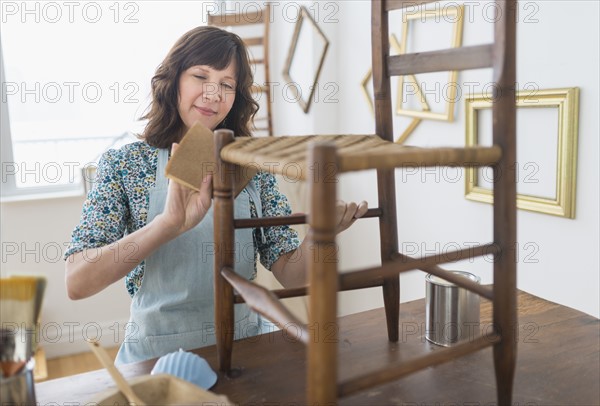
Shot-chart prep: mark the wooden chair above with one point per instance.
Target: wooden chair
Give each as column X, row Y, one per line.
column 320, row 159
column 259, row 18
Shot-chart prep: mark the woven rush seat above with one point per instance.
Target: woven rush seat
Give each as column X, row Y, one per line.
column 282, row 155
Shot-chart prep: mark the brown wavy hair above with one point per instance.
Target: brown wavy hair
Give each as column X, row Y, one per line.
column 204, row 45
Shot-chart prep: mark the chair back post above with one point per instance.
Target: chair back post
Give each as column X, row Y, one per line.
column 322, row 264
column 224, row 251
column 386, row 181
column 505, row 196
column 252, row 18
column 380, row 45
column 267, row 22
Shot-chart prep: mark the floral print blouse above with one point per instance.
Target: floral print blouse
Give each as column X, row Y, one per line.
column 119, row 201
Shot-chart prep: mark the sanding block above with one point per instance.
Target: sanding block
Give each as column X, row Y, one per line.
column 195, row 158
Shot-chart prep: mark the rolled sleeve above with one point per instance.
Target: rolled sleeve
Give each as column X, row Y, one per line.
column 281, row 239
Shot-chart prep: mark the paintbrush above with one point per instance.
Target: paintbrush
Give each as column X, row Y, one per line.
column 39, row 297
column 40, row 288
column 17, row 318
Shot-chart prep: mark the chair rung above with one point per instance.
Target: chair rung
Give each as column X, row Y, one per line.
column 403, row 368
column 398, row 4
column 472, row 57
column 270, row 221
column 395, row 267
column 288, row 220
column 264, row 302
column 279, row 293
column 303, row 291
column 483, row 291
column 259, row 89
column 252, row 41
column 421, row 157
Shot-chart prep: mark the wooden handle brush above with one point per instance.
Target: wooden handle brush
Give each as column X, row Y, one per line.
column 122, row 384
column 40, row 288
column 17, row 318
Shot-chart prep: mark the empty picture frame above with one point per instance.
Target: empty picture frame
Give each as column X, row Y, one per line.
column 364, row 87
column 453, row 14
column 305, row 58
column 563, row 105
column 367, row 79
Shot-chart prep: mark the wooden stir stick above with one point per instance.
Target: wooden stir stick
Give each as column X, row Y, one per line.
column 122, row 384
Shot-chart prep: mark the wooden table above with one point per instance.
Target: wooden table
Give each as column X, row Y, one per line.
column 558, row 363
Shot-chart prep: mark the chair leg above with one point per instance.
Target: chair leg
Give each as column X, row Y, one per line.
column 391, row 301
column 388, row 234
column 505, row 305
column 224, row 324
column 505, row 229
column 505, row 199
column 505, row 322
column 505, row 275
column 504, row 362
column 323, row 278
column 224, row 252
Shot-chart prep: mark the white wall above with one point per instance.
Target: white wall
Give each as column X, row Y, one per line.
column 558, row 257
column 432, row 213
column 34, row 236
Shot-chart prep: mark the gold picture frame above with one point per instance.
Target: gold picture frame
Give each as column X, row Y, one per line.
column 364, row 87
column 453, row 13
column 566, row 101
column 364, row 83
column 318, row 34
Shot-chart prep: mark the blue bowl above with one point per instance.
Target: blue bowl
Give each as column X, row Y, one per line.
column 187, row 366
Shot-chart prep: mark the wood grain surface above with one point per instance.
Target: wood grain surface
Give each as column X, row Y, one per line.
column 558, row 358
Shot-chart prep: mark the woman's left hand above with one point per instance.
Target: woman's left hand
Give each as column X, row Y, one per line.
column 347, row 213
column 290, row 269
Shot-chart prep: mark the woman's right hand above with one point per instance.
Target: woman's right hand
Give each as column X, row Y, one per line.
column 185, row 207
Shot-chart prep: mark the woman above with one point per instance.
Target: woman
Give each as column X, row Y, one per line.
column 158, row 234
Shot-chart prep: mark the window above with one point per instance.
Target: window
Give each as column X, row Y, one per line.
column 75, row 81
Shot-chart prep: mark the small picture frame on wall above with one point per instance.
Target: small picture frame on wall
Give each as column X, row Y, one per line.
column 453, row 15
column 547, row 124
column 305, row 59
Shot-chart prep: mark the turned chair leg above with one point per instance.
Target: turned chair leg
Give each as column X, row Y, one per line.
column 323, row 277
column 224, row 252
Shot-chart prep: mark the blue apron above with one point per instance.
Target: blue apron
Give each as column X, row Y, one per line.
column 174, row 306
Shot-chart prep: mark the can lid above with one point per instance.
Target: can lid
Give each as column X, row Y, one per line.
column 442, row 282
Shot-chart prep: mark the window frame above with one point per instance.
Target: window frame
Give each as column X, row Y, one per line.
column 9, row 190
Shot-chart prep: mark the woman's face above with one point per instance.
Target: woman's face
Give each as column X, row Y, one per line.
column 206, row 94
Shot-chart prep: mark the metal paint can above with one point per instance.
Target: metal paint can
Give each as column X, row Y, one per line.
column 452, row 313
column 19, row 390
